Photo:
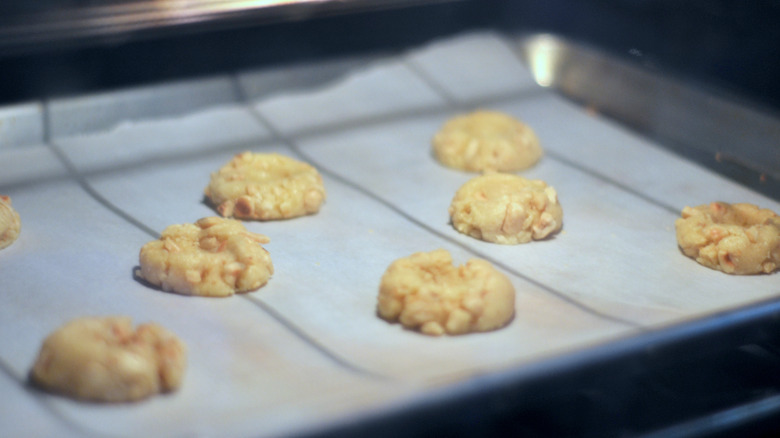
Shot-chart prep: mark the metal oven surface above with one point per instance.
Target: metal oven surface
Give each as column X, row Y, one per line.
column 94, row 177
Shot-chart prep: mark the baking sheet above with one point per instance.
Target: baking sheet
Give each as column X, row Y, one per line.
column 307, row 350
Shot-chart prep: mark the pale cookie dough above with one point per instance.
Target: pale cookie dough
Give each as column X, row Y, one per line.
column 733, row 238
column 486, row 140
column 426, row 292
column 10, row 223
column 507, row 209
column 104, row 359
column 213, row 257
column 266, row 187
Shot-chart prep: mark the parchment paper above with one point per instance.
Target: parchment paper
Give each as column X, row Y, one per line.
column 307, row 350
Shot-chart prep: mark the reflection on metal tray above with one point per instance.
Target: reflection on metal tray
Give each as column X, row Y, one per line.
column 728, row 134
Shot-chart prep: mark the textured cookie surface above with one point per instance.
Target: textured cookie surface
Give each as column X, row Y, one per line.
column 265, row 187
column 733, row 238
column 486, row 140
column 105, row 359
column 10, row 223
column 426, row 292
column 507, row 209
column 213, row 257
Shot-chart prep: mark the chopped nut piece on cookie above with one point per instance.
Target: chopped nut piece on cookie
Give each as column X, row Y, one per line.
column 10, row 223
column 426, row 292
column 104, row 359
column 733, row 238
column 266, row 187
column 214, row 257
column 486, row 140
column 507, row 209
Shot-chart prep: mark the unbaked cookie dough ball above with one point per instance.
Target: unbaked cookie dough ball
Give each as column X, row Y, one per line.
column 213, row 257
column 486, row 140
column 266, row 187
column 733, row 238
column 426, row 292
column 105, row 359
column 505, row 208
column 10, row 223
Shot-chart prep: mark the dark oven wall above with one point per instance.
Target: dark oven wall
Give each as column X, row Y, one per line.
column 53, row 47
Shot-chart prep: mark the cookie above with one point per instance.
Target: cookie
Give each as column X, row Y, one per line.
column 213, row 257
column 733, row 238
column 265, row 187
column 426, row 292
column 507, row 209
column 10, row 223
column 105, row 359
column 486, row 140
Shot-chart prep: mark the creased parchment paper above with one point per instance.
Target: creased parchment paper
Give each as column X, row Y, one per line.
column 307, row 350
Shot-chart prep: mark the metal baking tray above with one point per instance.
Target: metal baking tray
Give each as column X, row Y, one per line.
column 612, row 321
